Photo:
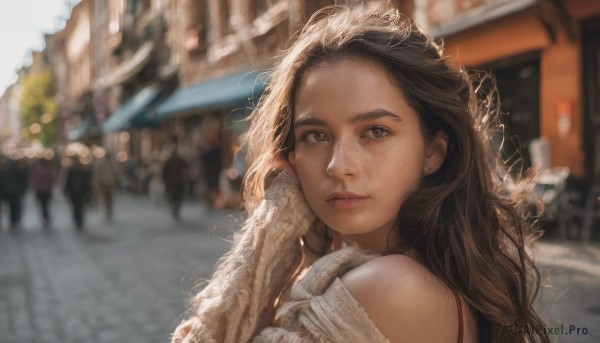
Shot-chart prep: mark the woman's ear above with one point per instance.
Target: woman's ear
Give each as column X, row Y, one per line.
column 436, row 153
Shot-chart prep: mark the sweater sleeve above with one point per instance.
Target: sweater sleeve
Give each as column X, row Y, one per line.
column 321, row 309
column 236, row 302
column 333, row 317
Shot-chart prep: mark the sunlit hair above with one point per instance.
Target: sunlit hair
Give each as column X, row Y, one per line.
column 466, row 220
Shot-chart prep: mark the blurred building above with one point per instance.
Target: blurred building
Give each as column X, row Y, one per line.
column 56, row 52
column 14, row 127
column 134, row 74
column 9, row 105
column 72, row 63
column 545, row 56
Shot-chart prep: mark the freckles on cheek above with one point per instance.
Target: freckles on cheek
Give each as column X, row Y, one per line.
column 305, row 175
column 306, row 164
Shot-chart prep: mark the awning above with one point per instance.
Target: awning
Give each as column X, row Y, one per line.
column 148, row 118
column 122, row 118
column 481, row 15
column 84, row 130
column 240, row 89
column 127, row 69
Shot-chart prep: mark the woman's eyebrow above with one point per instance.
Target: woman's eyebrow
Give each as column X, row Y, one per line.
column 308, row 121
column 366, row 116
column 372, row 115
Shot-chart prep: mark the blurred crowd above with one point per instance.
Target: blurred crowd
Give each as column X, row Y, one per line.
column 93, row 177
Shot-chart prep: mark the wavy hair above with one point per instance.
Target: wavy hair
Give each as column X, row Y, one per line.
column 467, row 220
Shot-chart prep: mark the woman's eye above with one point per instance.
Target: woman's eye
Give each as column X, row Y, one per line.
column 376, row 132
column 313, row 137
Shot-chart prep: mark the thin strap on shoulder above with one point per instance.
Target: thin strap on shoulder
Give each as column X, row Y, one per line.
column 460, row 317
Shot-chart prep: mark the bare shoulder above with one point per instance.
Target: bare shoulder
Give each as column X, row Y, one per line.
column 405, row 301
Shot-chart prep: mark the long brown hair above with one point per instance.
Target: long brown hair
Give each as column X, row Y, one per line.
column 466, row 220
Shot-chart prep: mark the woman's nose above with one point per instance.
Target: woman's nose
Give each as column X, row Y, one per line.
column 344, row 161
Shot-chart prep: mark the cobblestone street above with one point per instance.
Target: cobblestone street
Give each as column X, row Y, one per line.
column 129, row 281
column 125, row 282
column 571, row 290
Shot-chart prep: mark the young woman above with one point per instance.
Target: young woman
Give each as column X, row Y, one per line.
column 392, row 221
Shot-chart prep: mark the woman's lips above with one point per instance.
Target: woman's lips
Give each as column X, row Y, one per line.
column 345, row 200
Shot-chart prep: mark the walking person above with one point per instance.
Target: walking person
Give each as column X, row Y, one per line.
column 107, row 178
column 174, row 178
column 378, row 210
column 156, row 188
column 14, row 179
column 3, row 164
column 78, row 190
column 212, row 163
column 42, row 179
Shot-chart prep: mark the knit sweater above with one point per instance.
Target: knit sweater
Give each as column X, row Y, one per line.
column 236, row 305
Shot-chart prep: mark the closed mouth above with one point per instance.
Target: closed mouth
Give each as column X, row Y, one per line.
column 344, row 196
column 346, row 201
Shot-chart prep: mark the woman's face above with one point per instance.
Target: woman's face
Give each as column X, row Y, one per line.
column 359, row 149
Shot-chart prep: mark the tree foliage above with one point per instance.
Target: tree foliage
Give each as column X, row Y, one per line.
column 37, row 99
column 5, row 129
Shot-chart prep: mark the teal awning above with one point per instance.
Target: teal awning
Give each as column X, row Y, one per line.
column 148, row 118
column 122, row 118
column 479, row 15
column 84, row 130
column 240, row 89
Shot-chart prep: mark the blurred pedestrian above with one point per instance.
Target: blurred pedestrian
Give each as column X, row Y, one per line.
column 77, row 190
column 107, row 178
column 230, row 186
column 42, row 179
column 14, row 179
column 128, row 182
column 174, row 177
column 142, row 177
column 156, row 188
column 193, row 175
column 2, row 195
column 212, row 163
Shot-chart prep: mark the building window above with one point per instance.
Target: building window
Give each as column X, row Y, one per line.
column 518, row 83
column 115, row 20
column 313, row 6
column 195, row 38
column 144, row 6
column 226, row 27
column 261, row 6
column 158, row 5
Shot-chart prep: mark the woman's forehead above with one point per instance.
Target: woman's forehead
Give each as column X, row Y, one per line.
column 347, row 86
column 352, row 68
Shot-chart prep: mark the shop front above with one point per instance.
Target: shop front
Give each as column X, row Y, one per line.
column 544, row 55
column 206, row 119
column 591, row 82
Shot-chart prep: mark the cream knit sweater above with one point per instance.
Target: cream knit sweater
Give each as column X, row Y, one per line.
column 236, row 305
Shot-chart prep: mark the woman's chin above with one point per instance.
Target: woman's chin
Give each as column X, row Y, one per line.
column 349, row 230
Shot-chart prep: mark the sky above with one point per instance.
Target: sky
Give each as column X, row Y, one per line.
column 22, row 27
